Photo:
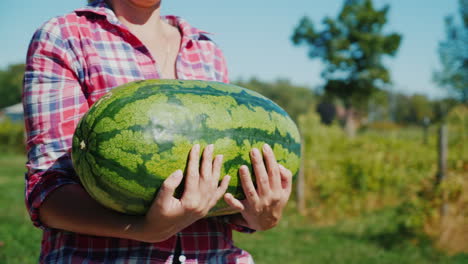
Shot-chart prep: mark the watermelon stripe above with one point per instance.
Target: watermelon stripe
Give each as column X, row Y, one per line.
column 211, row 135
column 237, row 189
column 115, row 106
column 242, row 98
column 153, row 87
column 109, row 187
column 140, row 176
column 91, row 173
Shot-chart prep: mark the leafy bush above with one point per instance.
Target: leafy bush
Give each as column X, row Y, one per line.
column 12, row 139
column 382, row 125
column 386, row 168
column 350, row 176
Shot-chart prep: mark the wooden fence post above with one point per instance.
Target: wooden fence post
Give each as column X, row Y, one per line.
column 426, row 123
column 442, row 161
column 300, row 185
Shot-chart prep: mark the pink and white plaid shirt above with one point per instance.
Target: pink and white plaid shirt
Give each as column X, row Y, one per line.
column 72, row 61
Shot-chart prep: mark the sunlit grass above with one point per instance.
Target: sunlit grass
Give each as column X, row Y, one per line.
column 20, row 241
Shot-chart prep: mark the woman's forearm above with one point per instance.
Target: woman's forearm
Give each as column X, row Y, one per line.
column 71, row 208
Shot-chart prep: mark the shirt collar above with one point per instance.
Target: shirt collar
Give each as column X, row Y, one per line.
column 101, row 8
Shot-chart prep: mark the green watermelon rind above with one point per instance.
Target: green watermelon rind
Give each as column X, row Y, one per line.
column 122, row 151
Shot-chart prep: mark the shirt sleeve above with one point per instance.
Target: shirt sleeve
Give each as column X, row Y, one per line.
column 224, row 71
column 226, row 219
column 242, row 229
column 220, row 65
column 53, row 102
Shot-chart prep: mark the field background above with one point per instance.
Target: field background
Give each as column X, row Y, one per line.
column 370, row 199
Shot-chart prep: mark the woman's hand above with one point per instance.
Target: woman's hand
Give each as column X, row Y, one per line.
column 168, row 215
column 263, row 207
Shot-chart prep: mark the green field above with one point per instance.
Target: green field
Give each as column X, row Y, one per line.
column 299, row 242
column 369, row 239
column 20, row 241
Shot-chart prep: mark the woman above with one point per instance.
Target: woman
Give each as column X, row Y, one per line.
column 75, row 59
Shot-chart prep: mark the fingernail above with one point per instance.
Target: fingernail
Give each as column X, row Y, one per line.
column 220, row 156
column 210, row 147
column 177, row 174
column 255, row 151
column 266, row 147
column 228, row 177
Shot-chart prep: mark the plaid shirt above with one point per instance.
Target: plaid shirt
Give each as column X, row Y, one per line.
column 72, row 61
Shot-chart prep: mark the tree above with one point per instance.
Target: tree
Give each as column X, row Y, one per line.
column 413, row 109
column 442, row 108
column 351, row 47
column 453, row 53
column 11, row 83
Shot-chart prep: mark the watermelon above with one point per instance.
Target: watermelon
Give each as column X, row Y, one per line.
column 139, row 133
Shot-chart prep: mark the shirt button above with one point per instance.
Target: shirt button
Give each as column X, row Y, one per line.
column 182, row 259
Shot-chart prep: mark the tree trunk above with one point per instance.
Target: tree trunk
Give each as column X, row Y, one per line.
column 350, row 123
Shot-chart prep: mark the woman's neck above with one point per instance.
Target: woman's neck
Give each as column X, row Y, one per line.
column 144, row 21
column 142, row 18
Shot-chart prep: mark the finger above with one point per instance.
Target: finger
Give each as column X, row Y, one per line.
column 233, row 202
column 221, row 189
column 260, row 172
column 192, row 177
column 272, row 168
column 166, row 191
column 217, row 164
column 207, row 162
column 286, row 180
column 247, row 185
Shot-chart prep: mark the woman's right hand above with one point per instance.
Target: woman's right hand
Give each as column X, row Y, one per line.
column 168, row 215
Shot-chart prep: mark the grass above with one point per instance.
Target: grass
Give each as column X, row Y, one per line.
column 20, row 241
column 369, row 239
column 360, row 240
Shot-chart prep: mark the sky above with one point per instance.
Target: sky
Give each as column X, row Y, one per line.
column 255, row 35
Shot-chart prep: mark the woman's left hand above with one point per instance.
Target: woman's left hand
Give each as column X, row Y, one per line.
column 263, row 207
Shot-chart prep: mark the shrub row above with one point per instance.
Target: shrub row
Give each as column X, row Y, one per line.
column 12, row 138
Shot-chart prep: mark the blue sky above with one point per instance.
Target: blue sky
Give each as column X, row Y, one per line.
column 255, row 35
